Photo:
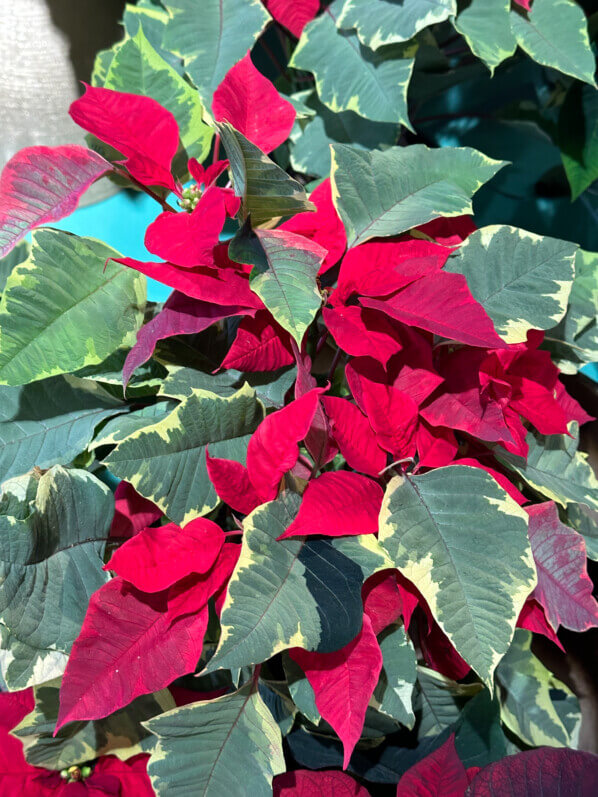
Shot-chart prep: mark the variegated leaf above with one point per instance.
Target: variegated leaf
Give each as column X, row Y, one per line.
column 486, row 26
column 462, row 541
column 394, row 693
column 381, row 22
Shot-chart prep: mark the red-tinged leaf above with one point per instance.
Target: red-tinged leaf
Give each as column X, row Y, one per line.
column 40, row 185
column 532, row 617
column 187, row 239
column 183, row 696
column 507, row 485
column 440, row 774
column 304, row 783
column 131, row 776
column 572, row 408
column 438, row 651
column 354, row 436
column 544, row 772
column 232, row 484
column 393, row 417
column 251, row 104
column 324, row 226
column 441, row 303
column 338, row 504
column 362, row 332
column 419, row 383
column 181, row 315
column 379, row 268
column 564, row 588
column 158, row 557
column 343, row 683
column 225, row 286
column 206, row 177
column 449, row 231
column 436, row 446
column 468, row 412
column 138, row 127
column 273, row 448
column 318, row 440
column 132, row 512
column 293, row 14
column 261, row 344
column 539, row 406
column 527, row 4
column 129, row 645
column 381, row 599
column 410, row 598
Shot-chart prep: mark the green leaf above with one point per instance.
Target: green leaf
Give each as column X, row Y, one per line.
column 585, row 520
column 285, row 267
column 212, row 36
column 118, row 429
column 48, row 423
column 380, row 22
column 393, row 694
column 555, row 33
column 181, row 382
column 527, row 708
column 371, row 83
column 522, row 280
column 301, row 690
column 166, row 462
column 486, row 26
column 575, row 340
column 266, row 191
column 50, row 564
column 462, row 541
column 439, row 701
column 212, row 747
column 138, row 69
column 120, row 734
column 479, row 738
column 386, row 193
column 367, row 553
column 17, row 254
column 578, row 137
column 292, row 593
column 61, row 310
column 555, row 468
column 154, row 19
column 310, row 141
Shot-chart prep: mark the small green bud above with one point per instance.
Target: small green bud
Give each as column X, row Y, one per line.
column 86, row 771
column 64, row 774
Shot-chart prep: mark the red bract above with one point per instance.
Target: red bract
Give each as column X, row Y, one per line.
column 187, row 239
column 338, row 504
column 232, row 484
column 527, row 4
column 343, row 683
column 55, row 176
column 261, row 344
column 354, row 436
column 156, row 558
column 132, row 512
column 180, row 315
column 318, row 440
column 304, row 783
column 362, row 332
column 533, row 618
column 324, row 226
column 249, row 101
column 564, row 587
column 449, row 231
column 138, row 127
column 382, row 600
column 440, row 774
column 293, row 14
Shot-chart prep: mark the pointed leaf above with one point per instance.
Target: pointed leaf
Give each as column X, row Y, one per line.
column 362, row 332
column 525, row 281
column 462, row 541
column 209, row 743
column 261, row 344
column 354, row 436
column 165, row 462
column 379, row 23
column 51, row 563
column 372, row 84
column 132, row 512
column 265, row 190
column 293, row 14
column 121, row 121
column 249, row 101
column 232, row 484
column 385, row 193
column 486, row 27
column 440, row 774
column 564, row 587
column 284, row 275
column 211, row 38
column 343, row 683
column 138, row 69
column 394, row 692
column 129, row 645
column 555, row 33
column 336, row 505
column 286, row 593
column 40, row 185
column 61, row 310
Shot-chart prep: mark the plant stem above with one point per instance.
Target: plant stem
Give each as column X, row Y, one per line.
column 148, row 191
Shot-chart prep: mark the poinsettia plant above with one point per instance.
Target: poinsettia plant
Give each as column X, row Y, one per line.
column 316, row 524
